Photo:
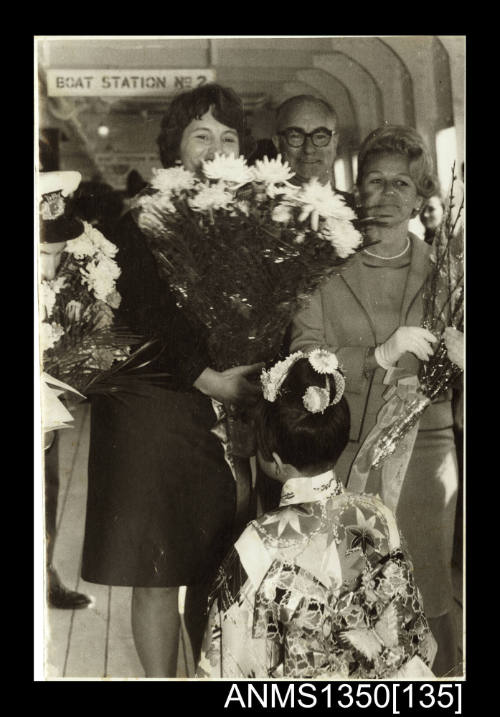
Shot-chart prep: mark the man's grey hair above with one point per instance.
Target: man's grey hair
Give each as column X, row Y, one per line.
column 304, row 99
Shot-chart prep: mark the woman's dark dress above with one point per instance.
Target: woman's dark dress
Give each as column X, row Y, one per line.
column 161, row 498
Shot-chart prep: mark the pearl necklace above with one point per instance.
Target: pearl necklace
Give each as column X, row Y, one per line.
column 386, row 258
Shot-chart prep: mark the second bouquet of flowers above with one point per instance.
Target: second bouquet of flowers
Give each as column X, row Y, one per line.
column 443, row 305
column 78, row 338
column 241, row 247
column 83, row 349
column 390, row 443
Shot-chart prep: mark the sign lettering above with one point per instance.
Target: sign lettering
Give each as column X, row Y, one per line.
column 124, row 83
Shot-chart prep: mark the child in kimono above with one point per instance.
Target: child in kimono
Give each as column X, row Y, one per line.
column 323, row 586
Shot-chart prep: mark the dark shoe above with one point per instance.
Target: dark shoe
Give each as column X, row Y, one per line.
column 62, row 597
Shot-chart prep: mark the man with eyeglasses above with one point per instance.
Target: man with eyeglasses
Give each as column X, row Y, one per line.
column 306, row 135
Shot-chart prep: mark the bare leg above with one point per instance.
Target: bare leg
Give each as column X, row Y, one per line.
column 155, row 627
column 195, row 616
column 443, row 629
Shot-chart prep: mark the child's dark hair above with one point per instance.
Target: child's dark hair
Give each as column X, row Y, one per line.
column 311, row 442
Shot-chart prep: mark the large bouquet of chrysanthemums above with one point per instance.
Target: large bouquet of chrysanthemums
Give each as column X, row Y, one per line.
column 241, row 247
column 78, row 339
column 443, row 302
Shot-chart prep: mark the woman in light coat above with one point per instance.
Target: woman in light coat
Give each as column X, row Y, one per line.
column 369, row 314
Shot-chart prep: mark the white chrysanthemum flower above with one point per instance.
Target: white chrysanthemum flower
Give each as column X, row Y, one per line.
column 319, row 200
column 100, row 276
column 215, row 196
column 102, row 244
column 228, row 168
column 288, row 192
column 90, row 243
column 50, row 334
column 316, row 399
column 81, row 247
column 172, row 180
column 47, row 298
column 272, row 171
column 323, row 361
column 338, row 209
column 342, row 235
column 282, row 213
column 49, row 288
column 316, row 197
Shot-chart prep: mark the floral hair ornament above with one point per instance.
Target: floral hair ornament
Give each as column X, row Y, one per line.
column 315, row 399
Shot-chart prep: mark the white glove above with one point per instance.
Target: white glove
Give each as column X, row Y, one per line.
column 454, row 342
column 411, row 339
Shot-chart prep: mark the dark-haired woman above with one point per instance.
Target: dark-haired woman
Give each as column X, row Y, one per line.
column 370, row 315
column 161, row 498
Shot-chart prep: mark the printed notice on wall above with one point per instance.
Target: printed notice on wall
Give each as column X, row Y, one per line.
column 124, row 83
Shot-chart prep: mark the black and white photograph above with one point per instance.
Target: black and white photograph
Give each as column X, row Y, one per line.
column 249, row 359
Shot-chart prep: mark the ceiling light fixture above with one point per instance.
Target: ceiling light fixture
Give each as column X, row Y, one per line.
column 103, row 130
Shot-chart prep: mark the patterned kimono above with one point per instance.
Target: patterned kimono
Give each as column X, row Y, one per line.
column 320, row 588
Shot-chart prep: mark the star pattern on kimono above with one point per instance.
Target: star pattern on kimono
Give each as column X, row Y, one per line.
column 284, row 518
column 363, row 622
column 364, row 532
column 362, row 537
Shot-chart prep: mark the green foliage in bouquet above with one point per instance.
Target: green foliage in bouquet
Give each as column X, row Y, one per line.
column 241, row 248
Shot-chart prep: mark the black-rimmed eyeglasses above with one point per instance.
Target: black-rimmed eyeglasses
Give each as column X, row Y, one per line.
column 295, row 136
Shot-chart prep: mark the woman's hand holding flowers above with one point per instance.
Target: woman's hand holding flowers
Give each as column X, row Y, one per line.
column 412, row 339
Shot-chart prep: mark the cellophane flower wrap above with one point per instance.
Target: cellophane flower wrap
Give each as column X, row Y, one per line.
column 443, row 302
column 79, row 341
column 241, row 247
